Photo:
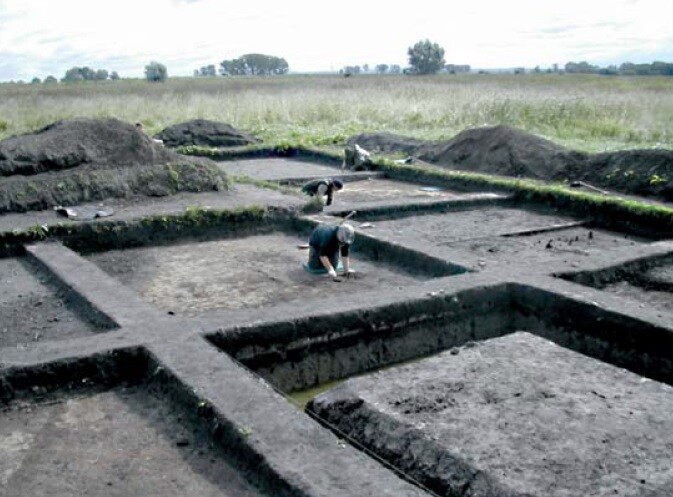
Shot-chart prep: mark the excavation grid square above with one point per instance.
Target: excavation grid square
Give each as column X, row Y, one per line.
column 254, row 271
column 277, row 169
column 32, row 310
column 390, row 191
column 120, row 442
column 515, row 414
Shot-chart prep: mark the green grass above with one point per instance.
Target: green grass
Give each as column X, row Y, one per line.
column 586, row 112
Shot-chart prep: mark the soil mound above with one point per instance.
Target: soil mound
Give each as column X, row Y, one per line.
column 642, row 172
column 205, row 133
column 386, row 143
column 507, row 151
column 72, row 143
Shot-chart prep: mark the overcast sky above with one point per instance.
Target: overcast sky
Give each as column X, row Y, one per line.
column 42, row 37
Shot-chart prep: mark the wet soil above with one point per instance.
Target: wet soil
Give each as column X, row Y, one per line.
column 118, row 443
column 516, row 415
column 32, row 310
column 259, row 270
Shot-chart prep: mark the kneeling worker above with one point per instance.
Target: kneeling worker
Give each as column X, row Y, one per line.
column 323, row 188
column 326, row 244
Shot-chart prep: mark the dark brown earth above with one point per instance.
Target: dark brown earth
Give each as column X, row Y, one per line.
column 71, row 143
column 31, row 311
column 508, row 151
column 119, row 443
column 513, row 416
column 206, row 133
column 80, row 160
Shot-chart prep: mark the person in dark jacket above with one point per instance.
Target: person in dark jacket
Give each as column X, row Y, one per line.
column 326, row 245
column 323, row 188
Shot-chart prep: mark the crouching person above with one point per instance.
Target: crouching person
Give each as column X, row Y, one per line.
column 329, row 250
column 323, row 189
column 356, row 158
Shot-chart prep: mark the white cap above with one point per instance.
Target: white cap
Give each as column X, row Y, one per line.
column 346, row 234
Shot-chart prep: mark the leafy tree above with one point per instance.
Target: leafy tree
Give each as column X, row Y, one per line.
column 365, row 68
column 36, row 81
column 156, row 72
column 207, row 71
column 254, row 64
column 395, row 69
column 73, row 74
column 352, row 70
column 580, row 68
column 426, row 57
column 114, row 76
column 101, row 74
column 382, row 68
column 50, row 79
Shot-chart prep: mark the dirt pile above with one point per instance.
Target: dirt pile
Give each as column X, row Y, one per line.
column 642, row 172
column 77, row 142
column 507, row 151
column 205, row 133
column 80, row 160
column 386, row 143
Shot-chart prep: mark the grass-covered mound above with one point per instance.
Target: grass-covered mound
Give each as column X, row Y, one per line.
column 80, row 160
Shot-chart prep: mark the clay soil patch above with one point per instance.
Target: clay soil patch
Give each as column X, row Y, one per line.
column 228, row 274
column 32, row 310
column 513, row 416
column 122, row 442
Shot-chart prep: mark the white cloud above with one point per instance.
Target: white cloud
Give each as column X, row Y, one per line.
column 49, row 37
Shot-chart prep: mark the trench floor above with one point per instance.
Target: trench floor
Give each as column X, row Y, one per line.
column 276, row 169
column 121, row 442
column 254, row 271
column 31, row 311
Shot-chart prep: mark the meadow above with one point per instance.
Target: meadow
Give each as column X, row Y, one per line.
column 586, row 112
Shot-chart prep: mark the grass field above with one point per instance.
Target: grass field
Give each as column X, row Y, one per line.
column 591, row 113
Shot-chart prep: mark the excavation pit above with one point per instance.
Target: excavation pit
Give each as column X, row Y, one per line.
column 35, row 308
column 647, row 281
column 111, row 425
column 492, row 235
column 318, row 353
column 277, row 169
column 257, row 270
column 376, row 192
column 303, row 354
column 512, row 416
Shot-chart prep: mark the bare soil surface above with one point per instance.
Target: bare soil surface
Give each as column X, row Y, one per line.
column 566, row 246
column 119, row 443
column 76, row 142
column 275, row 169
column 657, row 299
column 492, row 236
column 390, row 191
column 443, row 229
column 204, row 132
column 513, row 416
column 258, row 270
column 31, row 311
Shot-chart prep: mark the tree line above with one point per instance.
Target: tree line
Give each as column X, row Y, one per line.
column 656, row 68
column 424, row 57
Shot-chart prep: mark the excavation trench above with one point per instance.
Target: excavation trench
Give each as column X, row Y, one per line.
column 328, row 357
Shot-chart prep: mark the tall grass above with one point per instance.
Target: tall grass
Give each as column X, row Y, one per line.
column 592, row 113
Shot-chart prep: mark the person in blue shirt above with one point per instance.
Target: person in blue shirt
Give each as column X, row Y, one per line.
column 327, row 245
